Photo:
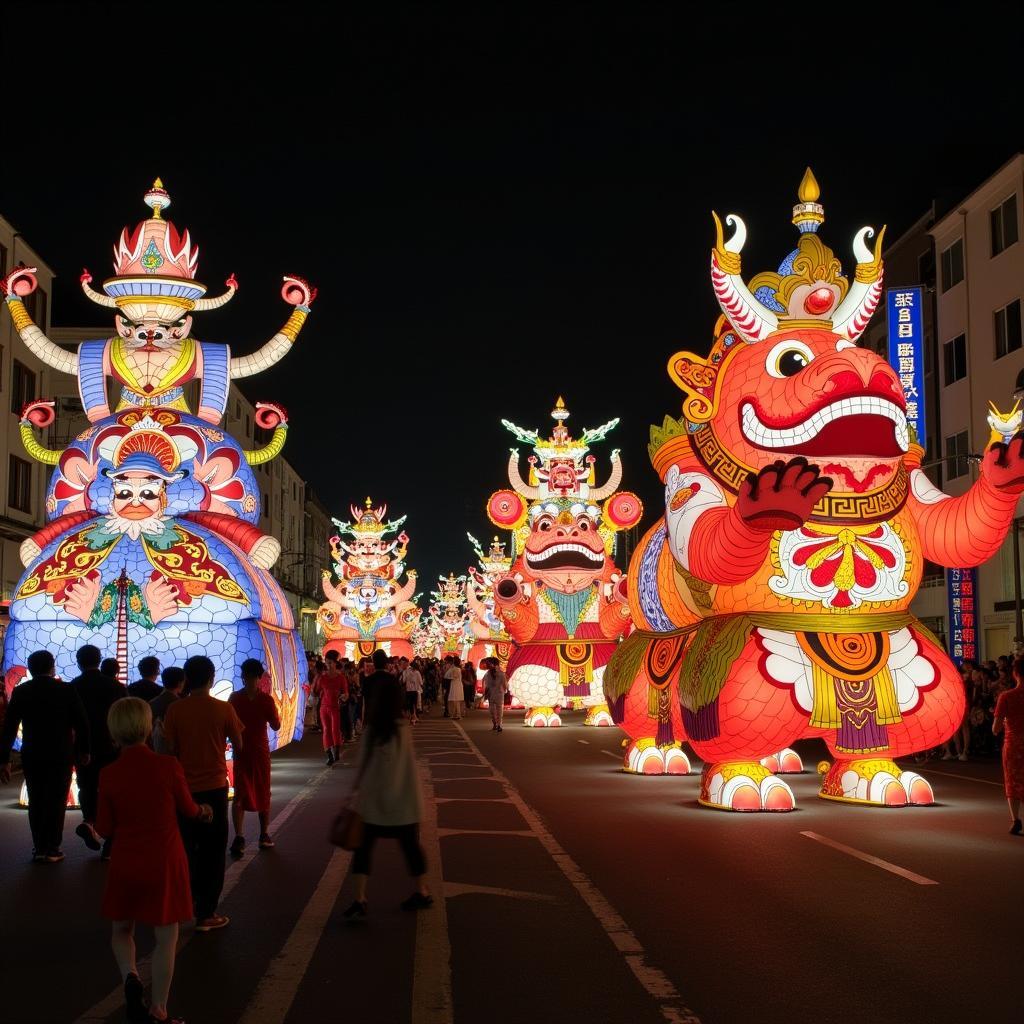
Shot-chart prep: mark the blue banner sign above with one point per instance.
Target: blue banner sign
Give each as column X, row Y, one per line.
column 904, row 308
column 962, row 591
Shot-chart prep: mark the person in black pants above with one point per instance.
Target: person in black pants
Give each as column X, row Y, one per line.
column 55, row 732
column 97, row 691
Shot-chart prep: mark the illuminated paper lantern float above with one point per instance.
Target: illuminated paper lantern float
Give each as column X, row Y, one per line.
column 368, row 608
column 776, row 588
column 450, row 618
column 152, row 545
column 563, row 602
column 488, row 629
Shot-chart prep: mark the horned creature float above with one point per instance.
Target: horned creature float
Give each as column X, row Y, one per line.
column 152, row 544
column 563, row 602
column 774, row 594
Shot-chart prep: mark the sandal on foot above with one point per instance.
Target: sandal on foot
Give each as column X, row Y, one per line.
column 266, row 842
column 1016, row 827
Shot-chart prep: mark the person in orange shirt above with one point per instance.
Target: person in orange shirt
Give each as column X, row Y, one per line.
column 196, row 729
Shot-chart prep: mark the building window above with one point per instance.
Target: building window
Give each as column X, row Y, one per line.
column 266, row 505
column 954, row 355
column 956, row 455
column 1007, row 325
column 953, row 265
column 3, row 260
column 1004, row 224
column 247, row 425
column 23, row 387
column 19, row 485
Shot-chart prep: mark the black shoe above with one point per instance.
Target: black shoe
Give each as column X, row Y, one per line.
column 88, row 835
column 500, row 729
column 1016, row 827
column 237, row 847
column 136, row 1010
column 330, row 758
column 358, row 908
column 38, row 858
column 417, row 901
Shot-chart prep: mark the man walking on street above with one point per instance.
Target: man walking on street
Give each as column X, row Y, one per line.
column 97, row 691
column 453, row 674
column 55, row 731
column 196, row 729
column 495, row 685
column 173, row 680
column 413, row 684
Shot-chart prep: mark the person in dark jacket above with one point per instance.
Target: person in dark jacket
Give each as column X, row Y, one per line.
column 146, row 687
column 55, row 732
column 97, row 691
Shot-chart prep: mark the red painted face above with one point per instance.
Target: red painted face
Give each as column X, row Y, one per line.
column 809, row 392
column 564, row 550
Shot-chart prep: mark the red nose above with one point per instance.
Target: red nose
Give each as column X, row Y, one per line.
column 877, row 381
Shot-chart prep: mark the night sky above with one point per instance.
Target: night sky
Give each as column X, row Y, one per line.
column 497, row 208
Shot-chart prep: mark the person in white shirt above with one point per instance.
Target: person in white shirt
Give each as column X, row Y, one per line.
column 495, row 685
column 454, row 676
column 413, row 681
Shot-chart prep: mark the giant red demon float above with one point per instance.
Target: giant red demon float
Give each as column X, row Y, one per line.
column 563, row 602
column 773, row 596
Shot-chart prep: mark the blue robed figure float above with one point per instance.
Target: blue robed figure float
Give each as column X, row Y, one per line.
column 152, row 543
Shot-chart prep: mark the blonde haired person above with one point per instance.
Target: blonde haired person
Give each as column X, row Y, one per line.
column 141, row 795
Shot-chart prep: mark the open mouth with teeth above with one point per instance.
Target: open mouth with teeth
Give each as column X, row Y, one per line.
column 565, row 556
column 857, row 426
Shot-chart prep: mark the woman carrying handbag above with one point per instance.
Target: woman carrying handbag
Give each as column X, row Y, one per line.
column 385, row 801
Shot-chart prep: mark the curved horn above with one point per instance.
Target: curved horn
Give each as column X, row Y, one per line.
column 91, row 293
column 38, row 414
column 749, row 318
column 516, row 480
column 269, row 416
column 855, row 311
column 222, row 300
column 600, row 493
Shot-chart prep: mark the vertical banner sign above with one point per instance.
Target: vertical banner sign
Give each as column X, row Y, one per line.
column 904, row 311
column 962, row 591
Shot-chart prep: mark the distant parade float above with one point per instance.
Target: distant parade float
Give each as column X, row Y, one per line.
column 772, row 598
column 562, row 602
column 490, row 639
column 450, row 618
column 152, row 544
column 368, row 608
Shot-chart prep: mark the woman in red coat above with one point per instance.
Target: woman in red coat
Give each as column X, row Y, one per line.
column 257, row 711
column 1009, row 714
column 140, row 797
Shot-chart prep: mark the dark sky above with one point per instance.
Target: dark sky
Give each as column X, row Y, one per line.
column 496, row 207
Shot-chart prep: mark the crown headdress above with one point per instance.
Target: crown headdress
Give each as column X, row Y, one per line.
column 155, row 267
column 368, row 521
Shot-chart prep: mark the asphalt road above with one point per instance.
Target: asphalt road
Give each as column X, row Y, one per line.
column 568, row 891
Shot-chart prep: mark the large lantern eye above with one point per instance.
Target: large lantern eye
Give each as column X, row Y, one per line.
column 788, row 358
column 545, row 523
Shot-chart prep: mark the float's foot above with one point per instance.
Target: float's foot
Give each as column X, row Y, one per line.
column 743, row 786
column 786, row 762
column 877, row 781
column 540, row 718
column 645, row 757
column 598, row 715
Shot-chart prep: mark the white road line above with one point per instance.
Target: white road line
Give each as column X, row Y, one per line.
column 468, row 778
column 471, row 800
column 585, row 742
column 653, row 980
column 432, row 961
column 115, row 999
column 870, row 859
column 444, row 832
column 953, row 775
column 611, row 753
column 453, row 889
column 281, row 979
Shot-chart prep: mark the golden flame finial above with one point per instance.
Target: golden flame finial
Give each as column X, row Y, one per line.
column 809, row 190
column 368, row 502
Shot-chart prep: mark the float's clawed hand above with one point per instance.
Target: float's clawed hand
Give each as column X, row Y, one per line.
column 782, row 495
column 162, row 599
column 1003, row 465
column 81, row 596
